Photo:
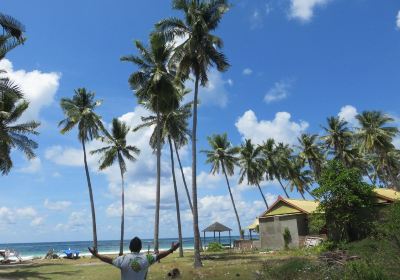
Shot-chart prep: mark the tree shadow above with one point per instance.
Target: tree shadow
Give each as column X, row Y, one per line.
column 28, row 273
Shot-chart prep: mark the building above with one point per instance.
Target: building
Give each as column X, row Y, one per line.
column 293, row 214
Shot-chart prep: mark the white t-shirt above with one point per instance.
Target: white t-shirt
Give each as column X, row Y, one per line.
column 134, row 266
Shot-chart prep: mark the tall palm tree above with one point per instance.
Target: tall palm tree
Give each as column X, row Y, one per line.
column 222, row 157
column 338, row 141
column 173, row 127
column 310, row 151
column 375, row 136
column 199, row 51
column 117, row 150
column 272, row 159
column 155, row 87
column 13, row 134
column 12, row 35
column 79, row 111
column 250, row 163
column 298, row 177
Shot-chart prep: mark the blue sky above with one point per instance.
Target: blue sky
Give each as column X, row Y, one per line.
column 294, row 63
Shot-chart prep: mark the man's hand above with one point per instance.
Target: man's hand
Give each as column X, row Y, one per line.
column 93, row 251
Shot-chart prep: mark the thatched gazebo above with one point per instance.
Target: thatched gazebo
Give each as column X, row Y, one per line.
column 217, row 227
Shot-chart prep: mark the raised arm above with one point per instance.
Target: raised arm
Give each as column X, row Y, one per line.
column 163, row 254
column 100, row 257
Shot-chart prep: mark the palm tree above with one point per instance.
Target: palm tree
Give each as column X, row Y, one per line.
column 338, row 141
column 117, row 150
column 199, row 51
column 375, row 137
column 299, row 178
column 250, row 163
column 273, row 159
column 79, row 111
column 13, row 134
column 12, row 34
column 310, row 151
column 222, row 157
column 155, row 87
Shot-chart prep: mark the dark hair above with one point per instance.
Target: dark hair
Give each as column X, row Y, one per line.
column 135, row 245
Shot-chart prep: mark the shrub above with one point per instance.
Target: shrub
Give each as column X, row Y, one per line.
column 287, row 237
column 215, row 247
column 316, row 222
column 362, row 270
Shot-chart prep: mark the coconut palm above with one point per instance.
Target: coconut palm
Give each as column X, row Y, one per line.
column 251, row 165
column 298, row 177
column 338, row 141
column 375, row 136
column 273, row 162
column 310, row 151
column 155, row 88
column 12, row 34
column 222, row 158
column 79, row 111
column 199, row 50
column 14, row 134
column 117, row 150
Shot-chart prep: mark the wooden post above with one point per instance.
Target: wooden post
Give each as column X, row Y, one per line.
column 230, row 242
column 251, row 238
column 214, row 235
column 219, row 237
column 204, row 239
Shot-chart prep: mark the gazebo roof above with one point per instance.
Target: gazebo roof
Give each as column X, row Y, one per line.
column 216, row 227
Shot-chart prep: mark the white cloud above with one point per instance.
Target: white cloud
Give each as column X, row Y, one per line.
column 38, row 221
column 349, row 113
column 258, row 16
column 56, row 205
column 281, row 128
column 247, row 71
column 76, row 221
column 14, row 215
column 39, row 87
column 304, row 9
column 34, row 165
column 279, row 91
column 398, row 20
column 215, row 93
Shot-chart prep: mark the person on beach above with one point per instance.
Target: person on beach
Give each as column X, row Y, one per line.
column 134, row 266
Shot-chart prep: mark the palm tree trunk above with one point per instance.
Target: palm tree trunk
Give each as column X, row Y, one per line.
column 310, row 193
column 262, row 194
column 283, row 188
column 183, row 178
column 121, row 242
column 178, row 214
column 90, row 196
column 233, row 202
column 302, row 195
column 197, row 260
column 158, row 186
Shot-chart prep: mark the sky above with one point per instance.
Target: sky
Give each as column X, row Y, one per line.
column 293, row 64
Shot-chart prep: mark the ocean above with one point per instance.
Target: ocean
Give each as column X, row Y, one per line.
column 40, row 249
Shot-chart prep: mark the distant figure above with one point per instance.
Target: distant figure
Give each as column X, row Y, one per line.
column 134, row 266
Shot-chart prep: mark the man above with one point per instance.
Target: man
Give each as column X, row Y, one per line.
column 134, row 266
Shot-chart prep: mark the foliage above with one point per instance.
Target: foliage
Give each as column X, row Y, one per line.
column 316, row 222
column 390, row 227
column 287, row 237
column 364, row 270
column 215, row 247
column 347, row 202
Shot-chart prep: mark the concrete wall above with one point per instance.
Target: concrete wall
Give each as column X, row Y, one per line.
column 272, row 229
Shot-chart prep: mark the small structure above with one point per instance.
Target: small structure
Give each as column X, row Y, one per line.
column 217, row 227
column 253, row 227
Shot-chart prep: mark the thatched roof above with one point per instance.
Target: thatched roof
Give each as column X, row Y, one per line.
column 217, row 227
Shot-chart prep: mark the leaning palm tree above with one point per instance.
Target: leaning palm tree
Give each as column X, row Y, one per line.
column 250, row 163
column 155, row 87
column 310, row 151
column 79, row 111
column 12, row 35
column 273, row 162
column 298, row 177
column 14, row 134
column 117, row 150
column 199, row 51
column 375, row 136
column 222, row 157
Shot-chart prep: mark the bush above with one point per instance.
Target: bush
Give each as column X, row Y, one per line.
column 215, row 247
column 390, row 228
column 316, row 222
column 362, row 270
column 287, row 237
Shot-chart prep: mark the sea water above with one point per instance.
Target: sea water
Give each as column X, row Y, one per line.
column 40, row 249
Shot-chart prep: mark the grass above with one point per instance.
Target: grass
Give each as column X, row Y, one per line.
column 379, row 261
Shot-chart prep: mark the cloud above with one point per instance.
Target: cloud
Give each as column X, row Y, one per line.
column 398, row 20
column 247, row 71
column 278, row 92
column 39, row 87
column 303, row 10
column 258, row 16
column 76, row 221
column 10, row 216
column 349, row 113
column 56, row 205
column 215, row 93
column 34, row 165
column 281, row 128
